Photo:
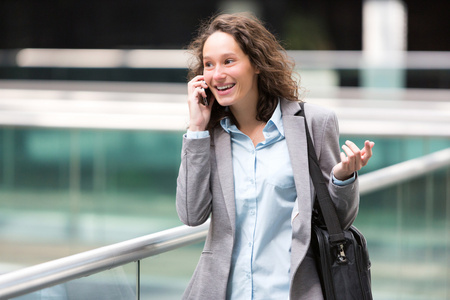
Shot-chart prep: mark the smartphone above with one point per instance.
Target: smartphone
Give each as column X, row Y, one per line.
column 207, row 98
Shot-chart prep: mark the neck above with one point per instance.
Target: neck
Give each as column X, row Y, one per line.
column 249, row 125
column 245, row 113
column 245, row 119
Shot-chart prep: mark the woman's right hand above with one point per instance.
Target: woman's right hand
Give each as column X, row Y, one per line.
column 199, row 114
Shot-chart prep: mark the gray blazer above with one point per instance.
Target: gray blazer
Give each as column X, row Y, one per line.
column 205, row 188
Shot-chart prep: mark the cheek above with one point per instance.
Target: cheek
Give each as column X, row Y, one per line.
column 208, row 77
column 243, row 74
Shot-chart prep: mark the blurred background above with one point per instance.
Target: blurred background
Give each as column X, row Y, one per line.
column 92, row 112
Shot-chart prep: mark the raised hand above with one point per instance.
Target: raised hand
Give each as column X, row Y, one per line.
column 199, row 114
column 352, row 159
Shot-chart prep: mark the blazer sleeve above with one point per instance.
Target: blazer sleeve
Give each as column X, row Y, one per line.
column 345, row 198
column 193, row 196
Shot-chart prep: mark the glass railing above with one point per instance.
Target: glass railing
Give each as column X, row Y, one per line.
column 405, row 219
column 407, row 227
column 65, row 191
column 116, row 283
column 62, row 275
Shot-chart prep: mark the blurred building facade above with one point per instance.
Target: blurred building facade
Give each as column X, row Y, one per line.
column 301, row 24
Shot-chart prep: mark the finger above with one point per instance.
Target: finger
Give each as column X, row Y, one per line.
column 367, row 152
column 350, row 157
column 368, row 148
column 195, row 94
column 344, row 161
column 341, row 170
column 196, row 82
column 352, row 146
column 357, row 152
column 201, row 83
column 197, row 78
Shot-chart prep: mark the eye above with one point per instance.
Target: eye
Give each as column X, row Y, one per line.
column 207, row 65
column 229, row 61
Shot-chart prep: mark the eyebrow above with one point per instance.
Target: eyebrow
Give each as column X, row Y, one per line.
column 222, row 55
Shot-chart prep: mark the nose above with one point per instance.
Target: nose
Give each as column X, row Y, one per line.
column 219, row 73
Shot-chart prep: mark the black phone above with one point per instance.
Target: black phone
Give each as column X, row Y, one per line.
column 207, row 98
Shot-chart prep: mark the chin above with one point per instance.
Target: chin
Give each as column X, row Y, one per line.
column 224, row 102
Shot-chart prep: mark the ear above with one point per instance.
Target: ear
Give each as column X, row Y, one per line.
column 255, row 67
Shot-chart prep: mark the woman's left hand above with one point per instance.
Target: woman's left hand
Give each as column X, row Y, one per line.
column 353, row 159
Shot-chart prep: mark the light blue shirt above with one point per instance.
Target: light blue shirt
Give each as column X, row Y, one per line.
column 265, row 195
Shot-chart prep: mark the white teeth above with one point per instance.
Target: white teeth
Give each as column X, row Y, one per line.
column 221, row 88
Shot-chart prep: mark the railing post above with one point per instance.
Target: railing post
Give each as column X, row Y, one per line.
column 447, row 222
column 138, row 280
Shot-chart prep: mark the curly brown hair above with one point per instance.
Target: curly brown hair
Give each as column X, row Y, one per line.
column 265, row 54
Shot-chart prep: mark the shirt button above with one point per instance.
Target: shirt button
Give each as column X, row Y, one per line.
column 252, row 212
column 248, row 276
column 249, row 244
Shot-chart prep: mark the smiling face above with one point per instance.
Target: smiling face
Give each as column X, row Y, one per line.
column 229, row 73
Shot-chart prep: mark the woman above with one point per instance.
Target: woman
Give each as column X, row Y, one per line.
column 245, row 165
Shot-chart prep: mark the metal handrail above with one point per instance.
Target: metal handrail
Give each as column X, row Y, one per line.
column 403, row 171
column 58, row 271
column 44, row 275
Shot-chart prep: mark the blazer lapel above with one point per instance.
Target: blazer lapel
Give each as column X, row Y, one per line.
column 222, row 143
column 294, row 129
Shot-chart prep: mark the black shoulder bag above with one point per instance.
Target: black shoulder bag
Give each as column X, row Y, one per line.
column 342, row 257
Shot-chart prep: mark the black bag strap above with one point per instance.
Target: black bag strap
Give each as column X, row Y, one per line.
column 323, row 196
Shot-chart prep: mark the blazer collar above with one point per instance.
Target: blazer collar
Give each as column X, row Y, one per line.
column 289, row 108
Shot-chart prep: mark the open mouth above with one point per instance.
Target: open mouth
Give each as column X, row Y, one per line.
column 225, row 87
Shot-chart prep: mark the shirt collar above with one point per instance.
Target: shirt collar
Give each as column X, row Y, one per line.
column 227, row 125
column 274, row 123
column 276, row 119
